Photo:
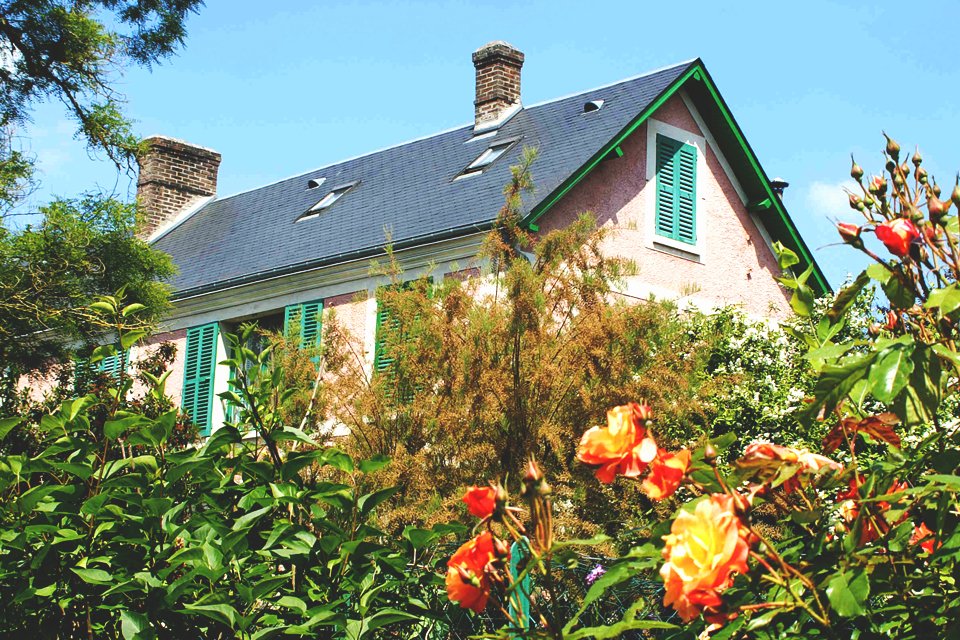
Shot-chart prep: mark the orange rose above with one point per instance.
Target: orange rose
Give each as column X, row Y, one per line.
column 481, row 501
column 703, row 550
column 924, row 537
column 622, row 447
column 467, row 580
column 666, row 473
column 897, row 235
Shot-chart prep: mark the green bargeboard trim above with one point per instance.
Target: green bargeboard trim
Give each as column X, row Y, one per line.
column 698, row 72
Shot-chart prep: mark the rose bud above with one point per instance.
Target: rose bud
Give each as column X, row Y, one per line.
column 955, row 196
column 905, row 169
column 891, row 321
column 897, row 181
column 893, row 149
column 709, row 453
column 937, row 209
column 855, row 202
column 917, row 158
column 868, row 202
column 878, row 185
column 936, row 190
column 856, row 171
column 890, row 166
column 921, row 175
column 850, row 233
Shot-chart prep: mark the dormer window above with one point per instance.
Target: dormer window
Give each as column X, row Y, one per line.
column 327, row 201
column 487, row 158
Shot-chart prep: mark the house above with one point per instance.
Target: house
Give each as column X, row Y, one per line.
column 659, row 158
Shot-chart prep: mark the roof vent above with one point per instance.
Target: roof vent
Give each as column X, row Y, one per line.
column 313, row 183
column 593, row 105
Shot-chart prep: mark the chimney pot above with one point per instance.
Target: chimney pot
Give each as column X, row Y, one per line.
column 174, row 175
column 498, row 82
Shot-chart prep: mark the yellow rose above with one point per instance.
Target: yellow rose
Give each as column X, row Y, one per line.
column 703, row 550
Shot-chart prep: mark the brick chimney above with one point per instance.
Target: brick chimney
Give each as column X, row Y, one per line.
column 498, row 82
column 173, row 176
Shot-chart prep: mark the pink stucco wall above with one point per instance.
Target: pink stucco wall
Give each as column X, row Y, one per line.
column 737, row 266
column 174, row 387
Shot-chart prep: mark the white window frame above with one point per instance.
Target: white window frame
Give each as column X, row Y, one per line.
column 698, row 251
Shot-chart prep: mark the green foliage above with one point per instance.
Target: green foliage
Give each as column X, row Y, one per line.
column 51, row 273
column 68, row 52
column 112, row 532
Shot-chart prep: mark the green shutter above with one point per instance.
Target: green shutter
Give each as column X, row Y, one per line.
column 110, row 365
column 381, row 361
column 676, row 212
column 198, row 375
column 113, row 365
column 306, row 319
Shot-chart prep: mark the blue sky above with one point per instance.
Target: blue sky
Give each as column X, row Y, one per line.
column 283, row 87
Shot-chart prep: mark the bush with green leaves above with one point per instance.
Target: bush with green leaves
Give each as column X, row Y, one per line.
column 109, row 531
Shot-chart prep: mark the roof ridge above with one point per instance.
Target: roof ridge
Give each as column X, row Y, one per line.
column 450, row 130
column 612, row 84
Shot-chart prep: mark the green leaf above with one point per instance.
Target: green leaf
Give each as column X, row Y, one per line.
column 848, row 592
column 879, row 272
column 103, row 306
column 900, row 296
column 248, row 519
column 7, row 424
column 946, row 299
column 135, row 626
column 223, row 613
column 373, row 464
column 370, row 501
column 131, row 309
column 93, row 576
column 419, row 538
column 891, row 371
column 785, row 257
column 291, row 602
column 846, row 297
column 113, row 429
column 130, row 338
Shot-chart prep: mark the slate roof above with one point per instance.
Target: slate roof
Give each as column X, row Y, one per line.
column 408, row 188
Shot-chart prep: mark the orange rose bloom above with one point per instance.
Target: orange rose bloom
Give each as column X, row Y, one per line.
column 467, row 580
column 481, row 501
column 703, row 550
column 666, row 473
column 924, row 537
column 622, row 447
column 897, row 235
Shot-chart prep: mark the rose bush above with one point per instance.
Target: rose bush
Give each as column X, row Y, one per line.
column 857, row 540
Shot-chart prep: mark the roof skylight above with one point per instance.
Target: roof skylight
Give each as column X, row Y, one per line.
column 487, row 158
column 327, row 201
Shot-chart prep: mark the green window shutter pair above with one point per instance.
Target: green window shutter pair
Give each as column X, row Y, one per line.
column 676, row 215
column 304, row 319
column 198, row 375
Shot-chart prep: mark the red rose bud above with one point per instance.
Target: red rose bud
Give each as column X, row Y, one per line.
column 893, row 149
column 856, row 171
column 917, row 158
column 850, row 233
column 878, row 185
column 891, row 321
column 855, row 202
column 897, row 235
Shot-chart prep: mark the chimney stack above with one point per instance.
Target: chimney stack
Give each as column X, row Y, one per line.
column 498, row 83
column 174, row 175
